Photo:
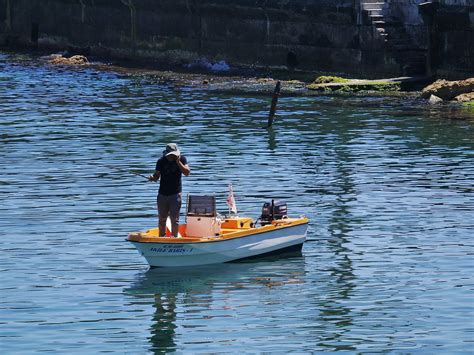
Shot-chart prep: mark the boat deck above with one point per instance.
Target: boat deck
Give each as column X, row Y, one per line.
column 240, row 229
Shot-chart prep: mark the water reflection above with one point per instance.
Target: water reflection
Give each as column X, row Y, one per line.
column 164, row 323
column 271, row 139
column 182, row 293
column 335, row 310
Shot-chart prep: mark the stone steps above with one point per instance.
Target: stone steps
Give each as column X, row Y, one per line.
column 396, row 38
column 376, row 5
column 374, row 12
column 379, row 23
column 376, row 17
column 373, row 2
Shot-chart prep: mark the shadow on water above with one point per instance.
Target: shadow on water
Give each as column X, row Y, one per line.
column 178, row 293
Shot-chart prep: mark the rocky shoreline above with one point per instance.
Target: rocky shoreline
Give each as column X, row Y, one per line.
column 444, row 90
column 239, row 82
column 247, row 82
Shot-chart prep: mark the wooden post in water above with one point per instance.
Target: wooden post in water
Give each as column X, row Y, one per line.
column 276, row 93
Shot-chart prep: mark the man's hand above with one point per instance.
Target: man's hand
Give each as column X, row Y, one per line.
column 153, row 178
column 183, row 167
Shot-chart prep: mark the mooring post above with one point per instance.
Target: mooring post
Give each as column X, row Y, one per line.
column 276, row 93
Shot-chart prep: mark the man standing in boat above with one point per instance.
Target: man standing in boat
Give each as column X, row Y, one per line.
column 169, row 169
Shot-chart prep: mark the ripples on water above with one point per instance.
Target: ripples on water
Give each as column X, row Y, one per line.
column 387, row 184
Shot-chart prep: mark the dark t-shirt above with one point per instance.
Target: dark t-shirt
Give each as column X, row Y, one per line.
column 170, row 183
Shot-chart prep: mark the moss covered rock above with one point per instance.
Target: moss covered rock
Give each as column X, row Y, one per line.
column 349, row 86
column 329, row 79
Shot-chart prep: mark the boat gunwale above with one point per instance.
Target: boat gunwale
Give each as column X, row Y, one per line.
column 239, row 233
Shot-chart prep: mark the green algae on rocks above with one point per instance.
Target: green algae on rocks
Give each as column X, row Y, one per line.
column 325, row 79
column 354, row 85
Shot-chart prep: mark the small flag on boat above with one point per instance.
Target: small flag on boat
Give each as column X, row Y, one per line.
column 231, row 200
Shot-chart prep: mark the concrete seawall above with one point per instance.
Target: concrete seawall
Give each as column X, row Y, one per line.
column 454, row 38
column 325, row 35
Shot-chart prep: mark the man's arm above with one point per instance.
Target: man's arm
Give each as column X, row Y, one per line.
column 183, row 167
column 155, row 177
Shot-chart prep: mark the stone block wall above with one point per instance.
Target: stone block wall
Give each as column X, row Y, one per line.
column 307, row 34
column 325, row 35
column 454, row 23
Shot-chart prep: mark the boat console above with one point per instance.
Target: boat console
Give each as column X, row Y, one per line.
column 201, row 216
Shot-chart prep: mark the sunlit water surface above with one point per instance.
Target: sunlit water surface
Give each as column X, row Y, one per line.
column 386, row 183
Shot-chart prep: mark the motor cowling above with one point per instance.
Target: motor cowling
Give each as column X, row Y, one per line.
column 273, row 210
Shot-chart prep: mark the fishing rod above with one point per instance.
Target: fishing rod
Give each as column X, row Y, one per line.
column 127, row 171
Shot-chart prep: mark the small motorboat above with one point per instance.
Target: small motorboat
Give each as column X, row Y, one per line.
column 208, row 238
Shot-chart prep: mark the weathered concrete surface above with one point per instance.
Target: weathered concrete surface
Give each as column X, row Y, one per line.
column 448, row 90
column 451, row 23
column 324, row 35
column 304, row 34
column 456, row 37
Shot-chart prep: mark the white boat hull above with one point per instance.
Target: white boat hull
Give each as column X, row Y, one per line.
column 221, row 251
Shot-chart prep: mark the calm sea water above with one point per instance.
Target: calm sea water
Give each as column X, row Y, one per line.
column 387, row 184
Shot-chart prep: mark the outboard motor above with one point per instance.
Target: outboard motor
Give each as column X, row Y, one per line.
column 273, row 210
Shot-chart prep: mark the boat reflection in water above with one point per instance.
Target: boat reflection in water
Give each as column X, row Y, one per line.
column 188, row 298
